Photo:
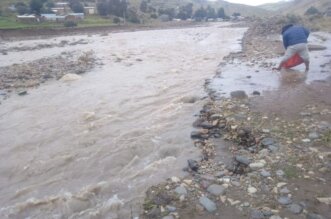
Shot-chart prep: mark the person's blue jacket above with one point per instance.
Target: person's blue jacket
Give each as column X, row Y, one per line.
column 295, row 35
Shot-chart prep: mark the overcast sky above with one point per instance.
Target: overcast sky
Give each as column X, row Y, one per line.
column 253, row 2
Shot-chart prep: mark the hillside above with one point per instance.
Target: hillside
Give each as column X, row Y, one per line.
column 297, row 6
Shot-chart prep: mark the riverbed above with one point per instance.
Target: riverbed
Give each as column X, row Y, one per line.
column 90, row 148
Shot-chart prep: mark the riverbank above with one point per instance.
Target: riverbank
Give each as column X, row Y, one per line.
column 264, row 137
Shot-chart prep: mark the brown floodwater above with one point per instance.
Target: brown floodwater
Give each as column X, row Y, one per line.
column 90, row 148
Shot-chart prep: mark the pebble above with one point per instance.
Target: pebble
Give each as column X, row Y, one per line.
column 285, row 191
column 208, row 204
column 251, row 190
column 284, row 200
column 265, row 173
column 239, row 94
column 256, row 214
column 256, row 166
column 275, row 217
column 313, row 135
column 295, row 208
column 216, row 189
column 168, row 217
column 22, row 93
column 193, row 164
column 175, row 179
column 180, row 190
column 268, row 141
column 243, row 160
column 171, row 208
column 280, row 173
column 314, row 216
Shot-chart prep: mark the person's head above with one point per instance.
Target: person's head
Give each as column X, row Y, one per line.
column 286, row 27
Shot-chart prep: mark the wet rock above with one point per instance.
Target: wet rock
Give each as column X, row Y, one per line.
column 216, row 189
column 193, row 164
column 257, row 165
column 284, row 200
column 22, row 93
column 208, row 204
column 197, row 123
column 268, row 141
column 201, row 134
column 189, row 99
column 251, row 190
column 256, row 93
column 239, row 94
column 171, row 208
column 256, row 214
column 70, row 77
column 206, row 125
column 284, row 191
column 215, row 117
column 181, row 190
column 314, row 216
column 220, row 174
column 265, row 173
column 154, row 213
column 243, row 160
column 313, row 135
column 280, row 173
column 295, row 208
column 313, row 47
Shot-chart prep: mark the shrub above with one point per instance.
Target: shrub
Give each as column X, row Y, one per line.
column 70, row 24
column 312, row 11
column 116, row 20
column 154, row 16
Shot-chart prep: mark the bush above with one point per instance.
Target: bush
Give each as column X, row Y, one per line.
column 116, row 20
column 312, row 11
column 70, row 24
column 154, row 16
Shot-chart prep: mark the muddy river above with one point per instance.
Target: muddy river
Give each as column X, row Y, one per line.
column 89, row 148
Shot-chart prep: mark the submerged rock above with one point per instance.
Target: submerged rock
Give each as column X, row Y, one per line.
column 239, row 94
column 193, row 164
column 208, row 204
column 216, row 189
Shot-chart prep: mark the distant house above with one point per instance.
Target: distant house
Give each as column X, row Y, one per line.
column 75, row 17
column 90, row 10
column 27, row 18
column 58, row 10
column 52, row 17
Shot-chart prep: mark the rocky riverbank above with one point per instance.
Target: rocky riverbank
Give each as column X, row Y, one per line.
column 263, row 156
column 18, row 78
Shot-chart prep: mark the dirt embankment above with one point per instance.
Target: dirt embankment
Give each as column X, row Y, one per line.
column 262, row 156
column 16, row 34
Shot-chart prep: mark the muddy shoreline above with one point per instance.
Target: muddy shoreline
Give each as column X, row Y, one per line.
column 19, row 34
column 263, row 156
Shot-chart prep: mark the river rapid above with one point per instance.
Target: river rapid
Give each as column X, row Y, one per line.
column 91, row 147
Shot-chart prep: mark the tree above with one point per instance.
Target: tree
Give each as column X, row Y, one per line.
column 236, row 14
column 35, row 6
column 211, row 12
column 143, row 6
column 168, row 11
column 185, row 11
column 21, row 8
column 200, row 14
column 312, row 11
column 50, row 4
column 103, row 8
column 76, row 6
column 221, row 13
